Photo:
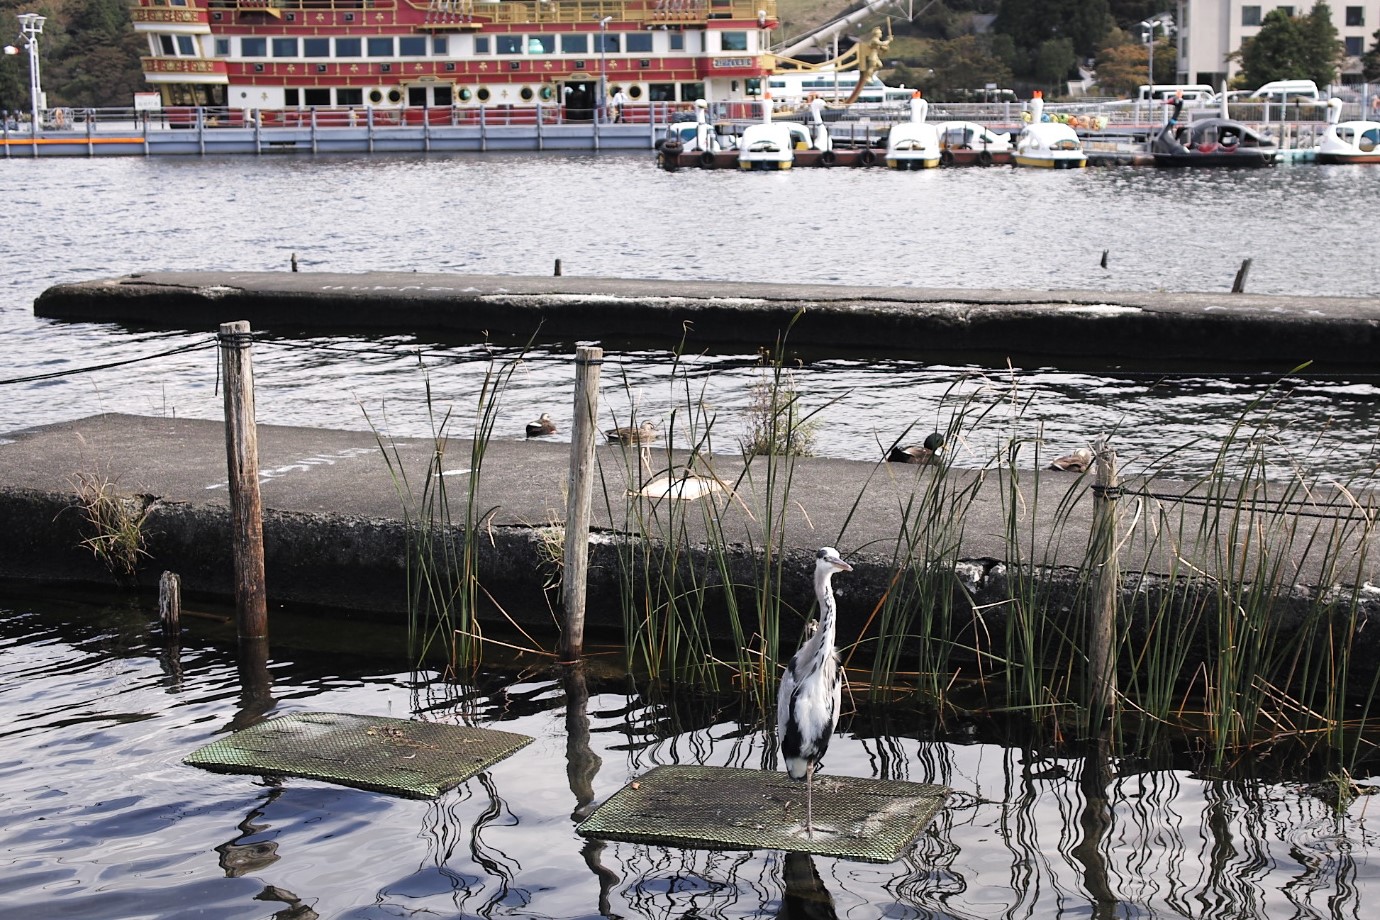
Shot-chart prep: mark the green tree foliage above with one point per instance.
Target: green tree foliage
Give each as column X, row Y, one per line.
column 1370, row 61
column 1078, row 26
column 949, row 67
column 88, row 55
column 1293, row 48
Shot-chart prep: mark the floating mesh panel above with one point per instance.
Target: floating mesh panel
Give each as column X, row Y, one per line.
column 396, row 756
column 730, row 808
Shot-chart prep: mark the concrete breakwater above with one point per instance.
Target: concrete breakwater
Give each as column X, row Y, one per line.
column 1271, row 333
column 336, row 537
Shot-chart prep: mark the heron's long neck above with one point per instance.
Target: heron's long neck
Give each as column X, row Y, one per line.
column 824, row 593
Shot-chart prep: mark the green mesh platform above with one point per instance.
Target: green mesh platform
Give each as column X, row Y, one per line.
column 730, row 808
column 397, row 756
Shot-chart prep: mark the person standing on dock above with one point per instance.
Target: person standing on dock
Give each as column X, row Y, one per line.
column 620, row 101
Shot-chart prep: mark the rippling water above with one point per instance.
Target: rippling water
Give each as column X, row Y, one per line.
column 102, row 820
column 617, row 215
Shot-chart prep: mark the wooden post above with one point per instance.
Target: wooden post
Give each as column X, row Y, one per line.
column 1239, row 285
column 558, row 268
column 170, row 602
column 1102, row 624
column 242, row 463
column 588, row 359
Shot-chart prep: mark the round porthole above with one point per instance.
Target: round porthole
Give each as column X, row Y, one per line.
column 547, row 93
column 635, row 92
column 527, row 94
column 466, row 94
column 484, row 94
column 395, row 96
column 375, row 96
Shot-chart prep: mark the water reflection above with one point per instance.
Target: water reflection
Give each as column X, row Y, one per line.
column 1034, row 830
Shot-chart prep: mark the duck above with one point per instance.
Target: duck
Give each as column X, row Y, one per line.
column 642, row 434
column 918, row 453
column 1077, row 462
column 542, row 426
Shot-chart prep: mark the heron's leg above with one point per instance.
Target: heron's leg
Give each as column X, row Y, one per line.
column 809, row 801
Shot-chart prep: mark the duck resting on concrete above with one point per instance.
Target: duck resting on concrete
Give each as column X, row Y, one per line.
column 1080, row 461
column 642, row 434
column 542, row 426
column 918, row 453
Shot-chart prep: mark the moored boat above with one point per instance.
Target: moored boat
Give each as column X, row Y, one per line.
column 767, row 146
column 1048, row 144
column 267, row 62
column 1348, row 141
column 967, row 143
column 1219, row 142
column 913, row 144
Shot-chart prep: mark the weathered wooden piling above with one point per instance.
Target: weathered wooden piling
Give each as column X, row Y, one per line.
column 1103, row 615
column 170, row 602
column 588, row 360
column 1238, row 286
column 242, row 465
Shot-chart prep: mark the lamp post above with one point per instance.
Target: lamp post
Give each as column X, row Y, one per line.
column 31, row 24
column 1150, row 25
column 603, row 67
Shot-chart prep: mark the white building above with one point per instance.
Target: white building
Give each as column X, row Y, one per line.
column 1209, row 30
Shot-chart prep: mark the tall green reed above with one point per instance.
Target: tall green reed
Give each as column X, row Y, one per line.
column 443, row 570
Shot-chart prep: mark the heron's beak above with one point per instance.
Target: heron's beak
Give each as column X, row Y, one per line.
column 842, row 566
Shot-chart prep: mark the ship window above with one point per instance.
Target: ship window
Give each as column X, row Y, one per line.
column 441, row 95
column 316, row 47
column 638, row 42
column 661, row 92
column 689, row 92
column 481, row 44
column 253, row 47
column 440, row 44
column 508, row 44
column 677, row 41
column 380, row 47
column 416, row 96
column 575, row 44
column 186, row 46
column 348, row 47
column 291, row 97
column 606, row 42
column 284, row 47
column 349, row 96
column 733, row 41
column 222, row 47
column 412, row 46
column 316, row 96
column 541, row 44
column 165, row 45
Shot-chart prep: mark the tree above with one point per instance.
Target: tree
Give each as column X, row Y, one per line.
column 1370, row 61
column 1030, row 22
column 1293, row 48
column 1121, row 69
column 966, row 62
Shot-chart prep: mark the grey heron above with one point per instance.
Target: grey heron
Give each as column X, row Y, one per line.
column 807, row 706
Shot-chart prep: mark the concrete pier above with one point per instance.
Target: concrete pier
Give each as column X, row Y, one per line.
column 1210, row 331
column 335, row 535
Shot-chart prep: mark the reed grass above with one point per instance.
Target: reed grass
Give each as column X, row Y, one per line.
column 443, row 563
column 116, row 523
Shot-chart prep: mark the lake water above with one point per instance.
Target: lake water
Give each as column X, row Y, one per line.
column 100, row 819
column 619, row 216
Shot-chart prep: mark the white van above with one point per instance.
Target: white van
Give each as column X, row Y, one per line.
column 1288, row 91
column 1193, row 93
